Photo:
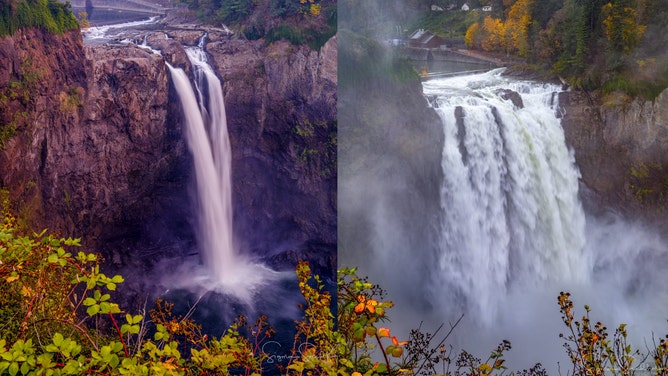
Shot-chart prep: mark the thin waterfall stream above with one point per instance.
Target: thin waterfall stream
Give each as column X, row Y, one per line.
column 227, row 268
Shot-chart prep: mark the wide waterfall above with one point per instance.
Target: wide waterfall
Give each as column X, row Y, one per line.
column 206, row 131
column 514, row 232
column 511, row 234
column 510, row 202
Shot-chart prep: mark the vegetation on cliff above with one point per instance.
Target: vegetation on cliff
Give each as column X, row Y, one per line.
column 50, row 15
column 310, row 22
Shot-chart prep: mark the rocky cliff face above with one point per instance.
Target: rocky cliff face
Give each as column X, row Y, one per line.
column 100, row 153
column 96, row 147
column 621, row 147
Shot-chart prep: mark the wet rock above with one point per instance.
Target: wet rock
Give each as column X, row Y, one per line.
column 512, row 96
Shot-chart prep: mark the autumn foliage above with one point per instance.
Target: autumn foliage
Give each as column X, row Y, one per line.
column 58, row 318
column 597, row 44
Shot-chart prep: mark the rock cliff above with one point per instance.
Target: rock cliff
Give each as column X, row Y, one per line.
column 621, row 147
column 95, row 145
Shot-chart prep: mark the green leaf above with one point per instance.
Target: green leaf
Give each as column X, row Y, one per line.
column 114, row 361
column 57, row 339
column 297, row 366
column 13, row 368
column 93, row 310
column 53, row 258
column 89, row 302
column 382, row 368
column 25, row 368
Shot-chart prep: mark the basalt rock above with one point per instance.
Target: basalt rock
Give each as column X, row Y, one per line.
column 96, row 153
column 621, row 147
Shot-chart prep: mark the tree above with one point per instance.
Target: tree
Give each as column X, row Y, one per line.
column 495, row 38
column 473, row 37
column 517, row 26
column 622, row 29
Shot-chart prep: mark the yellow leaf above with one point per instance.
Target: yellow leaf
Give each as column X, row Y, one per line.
column 485, row 368
column 11, row 278
column 25, row 291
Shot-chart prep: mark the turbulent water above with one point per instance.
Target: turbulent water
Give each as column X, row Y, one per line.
column 510, row 195
column 227, row 269
column 513, row 232
column 101, row 34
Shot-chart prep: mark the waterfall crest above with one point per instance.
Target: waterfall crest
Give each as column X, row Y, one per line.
column 511, row 212
column 206, row 132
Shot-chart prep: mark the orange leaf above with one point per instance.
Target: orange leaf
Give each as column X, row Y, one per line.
column 396, row 342
column 383, row 332
column 359, row 308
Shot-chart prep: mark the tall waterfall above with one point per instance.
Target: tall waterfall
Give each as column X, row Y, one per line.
column 510, row 194
column 209, row 143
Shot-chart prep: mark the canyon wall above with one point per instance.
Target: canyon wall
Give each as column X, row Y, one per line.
column 621, row 147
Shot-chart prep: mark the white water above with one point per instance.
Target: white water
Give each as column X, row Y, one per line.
column 510, row 200
column 206, row 132
column 514, row 232
column 113, row 30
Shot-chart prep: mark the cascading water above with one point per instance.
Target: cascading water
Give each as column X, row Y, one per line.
column 208, row 140
column 514, row 232
column 510, row 193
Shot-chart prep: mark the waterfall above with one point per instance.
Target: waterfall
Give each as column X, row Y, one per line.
column 213, row 165
column 208, row 141
column 511, row 212
column 513, row 231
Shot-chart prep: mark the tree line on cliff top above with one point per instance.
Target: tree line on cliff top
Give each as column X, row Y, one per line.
column 604, row 44
column 592, row 44
column 310, row 22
